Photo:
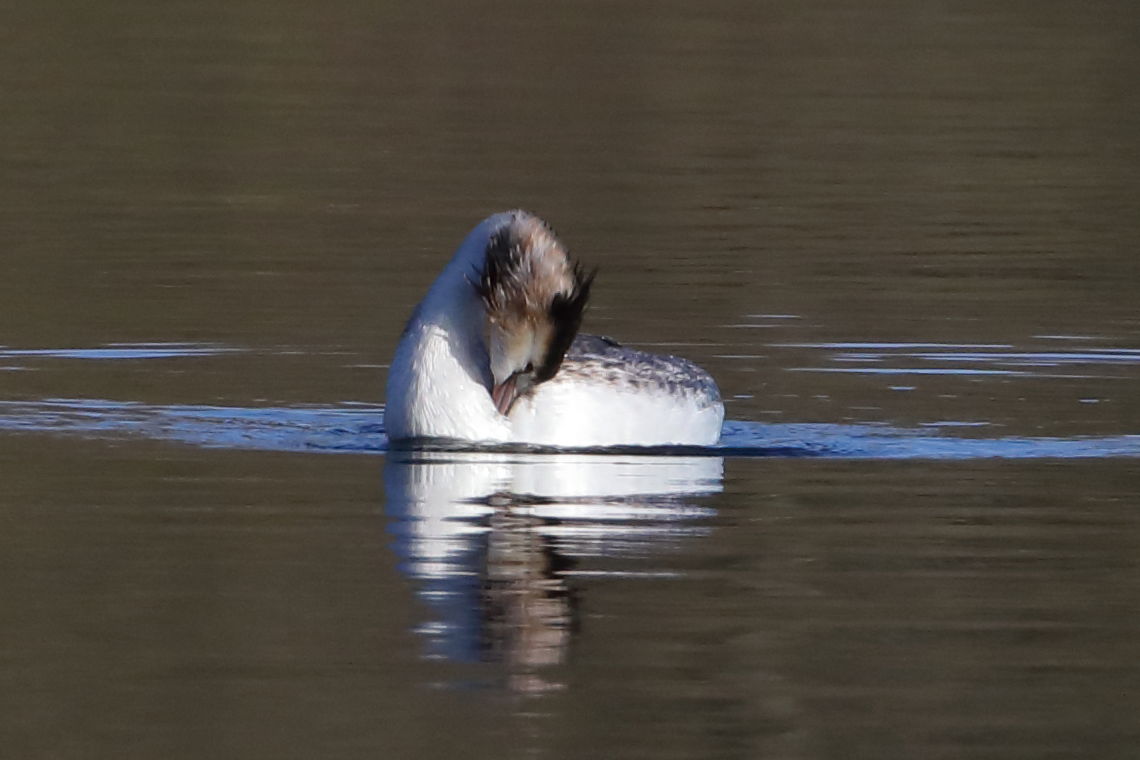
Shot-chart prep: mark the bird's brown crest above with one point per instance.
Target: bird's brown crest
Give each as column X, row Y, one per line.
column 529, row 278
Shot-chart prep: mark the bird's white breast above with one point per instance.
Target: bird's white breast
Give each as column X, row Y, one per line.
column 436, row 389
column 577, row 413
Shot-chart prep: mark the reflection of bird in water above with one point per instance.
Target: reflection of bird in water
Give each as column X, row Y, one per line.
column 528, row 608
column 493, row 539
column 492, row 355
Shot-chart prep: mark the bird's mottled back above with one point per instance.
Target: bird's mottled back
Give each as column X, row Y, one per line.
column 600, row 359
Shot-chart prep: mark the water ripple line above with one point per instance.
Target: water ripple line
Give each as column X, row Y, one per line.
column 355, row 427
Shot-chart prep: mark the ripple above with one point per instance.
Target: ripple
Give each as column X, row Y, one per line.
column 345, row 427
column 352, row 427
column 885, row 442
column 997, row 359
column 119, row 351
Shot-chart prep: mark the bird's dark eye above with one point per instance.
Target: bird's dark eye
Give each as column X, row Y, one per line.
column 529, row 367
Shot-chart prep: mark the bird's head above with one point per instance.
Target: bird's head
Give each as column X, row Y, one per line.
column 534, row 295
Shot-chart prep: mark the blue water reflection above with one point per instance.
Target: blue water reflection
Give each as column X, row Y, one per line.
column 120, row 351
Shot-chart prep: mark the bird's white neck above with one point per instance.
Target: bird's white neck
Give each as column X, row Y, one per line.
column 440, row 379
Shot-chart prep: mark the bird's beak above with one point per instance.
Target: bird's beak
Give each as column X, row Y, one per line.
column 504, row 394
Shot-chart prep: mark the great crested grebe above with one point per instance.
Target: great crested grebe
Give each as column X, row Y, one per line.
column 492, row 355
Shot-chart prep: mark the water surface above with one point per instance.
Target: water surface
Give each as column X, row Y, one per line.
column 902, row 237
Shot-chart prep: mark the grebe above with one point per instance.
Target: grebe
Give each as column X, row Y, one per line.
column 492, row 355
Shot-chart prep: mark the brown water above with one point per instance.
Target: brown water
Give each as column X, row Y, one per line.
column 903, row 237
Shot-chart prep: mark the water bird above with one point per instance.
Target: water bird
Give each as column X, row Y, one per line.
column 492, row 355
